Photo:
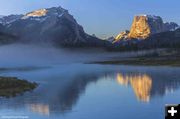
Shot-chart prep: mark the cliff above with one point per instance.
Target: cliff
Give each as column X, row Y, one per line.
column 144, row 26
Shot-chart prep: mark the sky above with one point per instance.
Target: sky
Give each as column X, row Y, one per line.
column 104, row 18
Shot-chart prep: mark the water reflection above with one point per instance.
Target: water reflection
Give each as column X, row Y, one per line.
column 42, row 109
column 141, row 84
column 146, row 86
column 62, row 92
column 57, row 97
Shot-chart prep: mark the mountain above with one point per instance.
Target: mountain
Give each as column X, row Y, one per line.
column 144, row 26
column 148, row 32
column 7, row 38
column 109, row 39
column 1, row 16
column 168, row 39
column 7, row 20
column 53, row 25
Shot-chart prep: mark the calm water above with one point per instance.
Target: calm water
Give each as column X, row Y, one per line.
column 86, row 91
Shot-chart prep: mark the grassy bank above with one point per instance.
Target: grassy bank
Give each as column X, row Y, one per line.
column 143, row 61
column 12, row 86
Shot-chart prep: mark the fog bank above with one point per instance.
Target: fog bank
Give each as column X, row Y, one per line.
column 35, row 55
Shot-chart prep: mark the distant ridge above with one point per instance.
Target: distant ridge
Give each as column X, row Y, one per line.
column 52, row 25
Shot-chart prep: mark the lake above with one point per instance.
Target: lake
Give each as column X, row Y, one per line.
column 92, row 91
column 70, row 89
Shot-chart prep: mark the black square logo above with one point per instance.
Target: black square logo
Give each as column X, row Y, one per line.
column 172, row 112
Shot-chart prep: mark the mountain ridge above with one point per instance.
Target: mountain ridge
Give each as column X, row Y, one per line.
column 51, row 25
column 56, row 26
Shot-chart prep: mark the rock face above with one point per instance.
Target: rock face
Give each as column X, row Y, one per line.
column 146, row 25
column 140, row 28
column 53, row 25
column 122, row 35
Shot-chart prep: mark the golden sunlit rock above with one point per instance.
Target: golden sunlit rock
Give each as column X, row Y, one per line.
column 141, row 84
column 122, row 35
column 37, row 13
column 144, row 26
column 140, row 28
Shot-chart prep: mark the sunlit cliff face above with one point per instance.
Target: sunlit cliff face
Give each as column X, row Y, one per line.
column 141, row 84
column 140, row 28
column 122, row 35
column 38, row 13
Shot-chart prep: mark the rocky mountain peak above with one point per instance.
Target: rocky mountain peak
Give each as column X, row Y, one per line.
column 144, row 26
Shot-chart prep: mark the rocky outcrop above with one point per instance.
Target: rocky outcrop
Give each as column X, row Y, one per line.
column 122, row 35
column 140, row 28
column 144, row 26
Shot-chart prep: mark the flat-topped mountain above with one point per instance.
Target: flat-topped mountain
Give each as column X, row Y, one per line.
column 53, row 25
column 144, row 26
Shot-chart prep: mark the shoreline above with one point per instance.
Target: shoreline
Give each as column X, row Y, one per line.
column 174, row 62
column 13, row 86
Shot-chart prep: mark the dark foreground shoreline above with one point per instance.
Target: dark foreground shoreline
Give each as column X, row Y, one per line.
column 12, row 86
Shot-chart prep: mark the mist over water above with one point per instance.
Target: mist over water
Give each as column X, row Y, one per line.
column 45, row 55
column 34, row 55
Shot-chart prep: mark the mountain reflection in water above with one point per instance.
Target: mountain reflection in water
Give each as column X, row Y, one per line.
column 62, row 92
column 40, row 109
column 146, row 86
column 141, row 84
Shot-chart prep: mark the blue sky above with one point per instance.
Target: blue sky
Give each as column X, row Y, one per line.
column 101, row 17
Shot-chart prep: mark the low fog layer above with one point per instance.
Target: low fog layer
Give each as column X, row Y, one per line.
column 31, row 55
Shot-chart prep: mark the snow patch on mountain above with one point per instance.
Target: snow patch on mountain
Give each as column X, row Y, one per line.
column 42, row 14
